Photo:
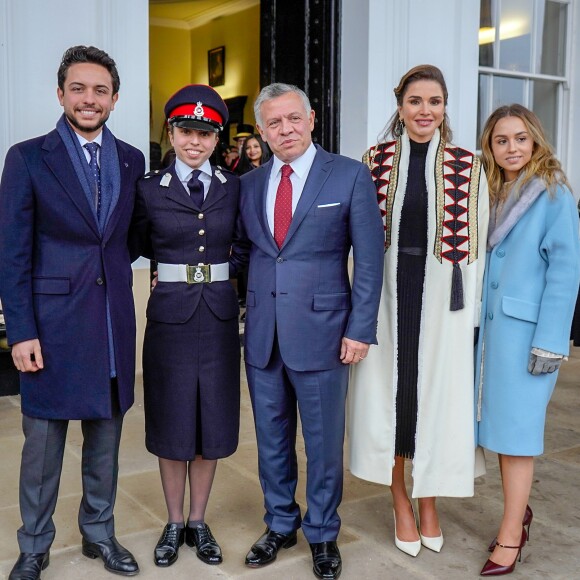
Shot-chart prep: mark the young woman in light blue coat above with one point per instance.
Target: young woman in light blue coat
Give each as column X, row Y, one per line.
column 530, row 288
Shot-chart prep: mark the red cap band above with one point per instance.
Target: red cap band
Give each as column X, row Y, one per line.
column 189, row 110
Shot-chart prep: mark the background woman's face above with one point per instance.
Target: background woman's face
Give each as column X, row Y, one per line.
column 423, row 109
column 253, row 149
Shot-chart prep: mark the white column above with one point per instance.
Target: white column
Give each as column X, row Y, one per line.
column 382, row 39
column 35, row 34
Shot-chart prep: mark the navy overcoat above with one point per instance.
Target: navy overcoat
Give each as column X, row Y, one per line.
column 56, row 271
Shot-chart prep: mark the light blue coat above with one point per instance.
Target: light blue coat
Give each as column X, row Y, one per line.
column 530, row 289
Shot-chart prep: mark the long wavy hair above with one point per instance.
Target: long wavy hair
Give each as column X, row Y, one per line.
column 422, row 72
column 245, row 164
column 543, row 163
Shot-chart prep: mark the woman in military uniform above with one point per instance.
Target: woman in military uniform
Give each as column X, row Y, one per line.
column 184, row 219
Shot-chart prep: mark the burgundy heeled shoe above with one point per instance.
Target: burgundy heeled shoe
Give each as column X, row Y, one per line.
column 526, row 522
column 491, row 568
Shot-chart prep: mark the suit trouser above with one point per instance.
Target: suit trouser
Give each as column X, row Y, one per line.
column 40, row 472
column 275, row 392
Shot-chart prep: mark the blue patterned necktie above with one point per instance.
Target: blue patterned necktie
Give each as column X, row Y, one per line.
column 195, row 187
column 92, row 148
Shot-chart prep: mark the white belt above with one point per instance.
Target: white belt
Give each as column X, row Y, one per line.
column 193, row 274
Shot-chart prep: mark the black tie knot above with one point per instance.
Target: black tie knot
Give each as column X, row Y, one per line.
column 195, row 187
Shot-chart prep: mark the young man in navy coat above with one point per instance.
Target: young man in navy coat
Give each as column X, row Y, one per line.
column 302, row 212
column 66, row 200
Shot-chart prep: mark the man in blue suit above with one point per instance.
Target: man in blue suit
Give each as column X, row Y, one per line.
column 66, row 200
column 301, row 213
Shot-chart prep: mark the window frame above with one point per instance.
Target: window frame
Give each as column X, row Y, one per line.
column 563, row 82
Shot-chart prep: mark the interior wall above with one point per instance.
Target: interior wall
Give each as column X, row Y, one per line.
column 179, row 57
column 169, row 70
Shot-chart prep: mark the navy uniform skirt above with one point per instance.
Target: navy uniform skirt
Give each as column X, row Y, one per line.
column 191, row 381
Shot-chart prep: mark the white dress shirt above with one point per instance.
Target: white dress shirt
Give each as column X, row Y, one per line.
column 98, row 140
column 300, row 170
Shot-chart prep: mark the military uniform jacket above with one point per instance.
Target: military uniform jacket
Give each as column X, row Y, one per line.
column 169, row 228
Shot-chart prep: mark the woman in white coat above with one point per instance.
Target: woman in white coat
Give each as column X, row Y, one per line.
column 530, row 290
column 412, row 397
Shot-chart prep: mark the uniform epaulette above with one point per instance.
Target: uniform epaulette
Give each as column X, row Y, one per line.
column 152, row 173
column 225, row 170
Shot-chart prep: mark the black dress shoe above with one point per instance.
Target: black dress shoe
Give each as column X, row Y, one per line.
column 208, row 549
column 167, row 548
column 265, row 550
column 29, row 566
column 116, row 558
column 326, row 559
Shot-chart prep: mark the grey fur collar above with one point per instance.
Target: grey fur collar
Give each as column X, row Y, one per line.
column 528, row 195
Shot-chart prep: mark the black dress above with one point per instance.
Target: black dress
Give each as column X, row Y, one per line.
column 410, row 281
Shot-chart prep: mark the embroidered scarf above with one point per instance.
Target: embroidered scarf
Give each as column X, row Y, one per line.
column 457, row 173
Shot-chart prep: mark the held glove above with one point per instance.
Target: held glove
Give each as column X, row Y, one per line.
column 547, row 362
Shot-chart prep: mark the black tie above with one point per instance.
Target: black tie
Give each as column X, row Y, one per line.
column 92, row 148
column 195, row 187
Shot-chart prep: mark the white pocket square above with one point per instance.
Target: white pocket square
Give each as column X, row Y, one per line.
column 330, row 204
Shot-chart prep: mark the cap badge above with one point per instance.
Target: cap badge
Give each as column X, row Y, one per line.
column 198, row 111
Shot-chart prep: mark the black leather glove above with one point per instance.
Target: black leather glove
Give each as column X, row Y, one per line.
column 543, row 364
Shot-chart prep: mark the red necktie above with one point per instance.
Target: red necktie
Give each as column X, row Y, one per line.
column 283, row 206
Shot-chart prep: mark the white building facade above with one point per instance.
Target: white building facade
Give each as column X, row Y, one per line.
column 492, row 52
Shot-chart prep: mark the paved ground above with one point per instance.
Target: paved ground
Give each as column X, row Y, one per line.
column 366, row 541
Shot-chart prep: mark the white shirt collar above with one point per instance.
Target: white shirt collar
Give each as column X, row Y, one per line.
column 299, row 166
column 98, row 139
column 184, row 171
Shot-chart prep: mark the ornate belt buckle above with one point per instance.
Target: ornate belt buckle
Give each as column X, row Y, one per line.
column 198, row 274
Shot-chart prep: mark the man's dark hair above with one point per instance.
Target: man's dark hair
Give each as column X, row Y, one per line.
column 90, row 54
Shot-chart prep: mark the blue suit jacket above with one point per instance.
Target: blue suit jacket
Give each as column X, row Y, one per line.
column 55, row 272
column 302, row 291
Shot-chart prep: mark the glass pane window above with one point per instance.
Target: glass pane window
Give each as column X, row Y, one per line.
column 545, row 105
column 483, row 103
column 553, row 46
column 506, row 91
column 486, row 32
column 523, row 59
column 515, row 35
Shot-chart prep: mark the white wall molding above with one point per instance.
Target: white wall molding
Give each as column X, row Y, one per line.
column 205, row 17
column 169, row 23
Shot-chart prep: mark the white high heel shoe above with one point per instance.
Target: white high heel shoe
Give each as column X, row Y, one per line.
column 411, row 548
column 433, row 543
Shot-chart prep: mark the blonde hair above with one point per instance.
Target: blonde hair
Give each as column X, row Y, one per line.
column 543, row 163
column 422, row 72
